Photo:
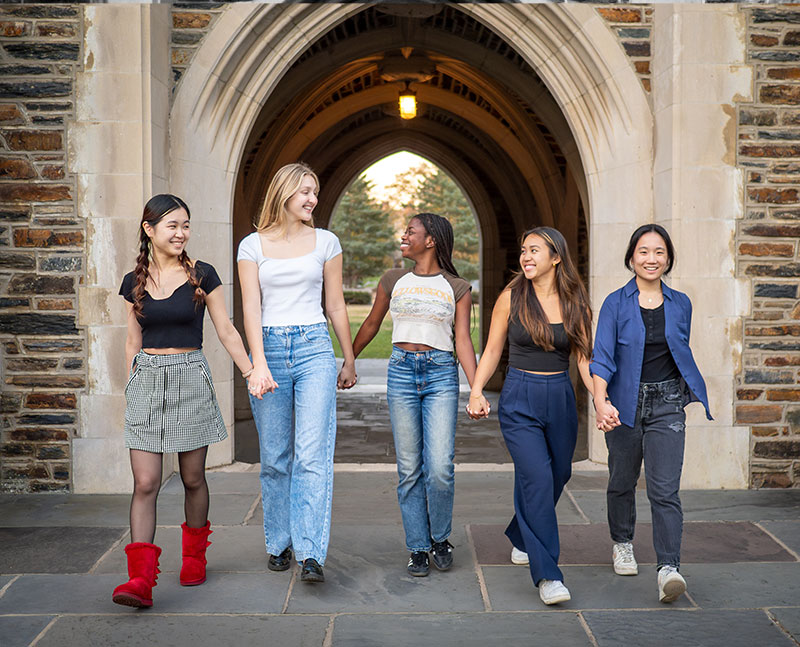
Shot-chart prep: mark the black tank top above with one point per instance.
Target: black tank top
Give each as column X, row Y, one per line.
column 525, row 355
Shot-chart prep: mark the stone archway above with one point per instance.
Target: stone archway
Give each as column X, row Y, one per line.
column 589, row 98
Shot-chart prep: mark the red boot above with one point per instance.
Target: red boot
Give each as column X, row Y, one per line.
column 195, row 542
column 143, row 572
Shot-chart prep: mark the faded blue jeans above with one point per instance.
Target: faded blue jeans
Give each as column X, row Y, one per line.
column 422, row 391
column 657, row 437
column 296, row 435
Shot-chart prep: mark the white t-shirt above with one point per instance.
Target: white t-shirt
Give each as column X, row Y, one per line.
column 423, row 307
column 291, row 288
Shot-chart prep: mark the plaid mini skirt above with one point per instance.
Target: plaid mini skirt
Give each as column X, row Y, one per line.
column 171, row 405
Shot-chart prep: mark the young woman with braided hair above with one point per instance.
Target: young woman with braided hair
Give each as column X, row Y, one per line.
column 430, row 304
column 171, row 404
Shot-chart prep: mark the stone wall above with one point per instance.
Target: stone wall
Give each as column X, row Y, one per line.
column 632, row 26
column 191, row 22
column 768, row 252
column 41, row 247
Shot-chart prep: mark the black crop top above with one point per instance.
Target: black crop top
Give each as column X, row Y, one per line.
column 174, row 322
column 524, row 354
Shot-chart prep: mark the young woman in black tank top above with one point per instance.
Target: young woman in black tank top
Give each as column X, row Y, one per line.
column 544, row 312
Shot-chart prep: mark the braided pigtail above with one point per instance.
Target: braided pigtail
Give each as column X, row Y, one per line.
column 199, row 295
column 141, row 273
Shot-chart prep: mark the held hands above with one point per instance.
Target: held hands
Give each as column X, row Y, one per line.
column 347, row 376
column 260, row 382
column 478, row 407
column 606, row 416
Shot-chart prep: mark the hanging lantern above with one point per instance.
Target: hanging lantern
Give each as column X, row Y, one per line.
column 408, row 103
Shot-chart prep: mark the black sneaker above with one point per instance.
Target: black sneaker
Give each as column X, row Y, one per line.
column 311, row 571
column 280, row 562
column 418, row 564
column 442, row 552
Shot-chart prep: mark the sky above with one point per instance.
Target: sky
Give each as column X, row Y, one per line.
column 382, row 173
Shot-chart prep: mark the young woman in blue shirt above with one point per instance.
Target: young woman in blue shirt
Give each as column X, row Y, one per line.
column 643, row 368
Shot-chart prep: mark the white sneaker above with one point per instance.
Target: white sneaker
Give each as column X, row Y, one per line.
column 518, row 557
column 671, row 584
column 553, row 592
column 624, row 561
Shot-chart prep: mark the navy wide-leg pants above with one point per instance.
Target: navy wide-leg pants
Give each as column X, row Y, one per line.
column 539, row 422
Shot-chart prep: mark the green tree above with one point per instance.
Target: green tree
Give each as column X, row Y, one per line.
column 437, row 193
column 365, row 230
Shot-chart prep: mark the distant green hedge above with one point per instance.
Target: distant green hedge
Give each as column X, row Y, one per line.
column 357, row 297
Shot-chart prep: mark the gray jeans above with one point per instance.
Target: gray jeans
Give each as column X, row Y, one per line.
column 658, row 437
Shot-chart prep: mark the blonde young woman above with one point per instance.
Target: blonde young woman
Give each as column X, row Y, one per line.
column 283, row 266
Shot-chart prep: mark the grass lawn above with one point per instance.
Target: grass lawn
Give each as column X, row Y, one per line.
column 381, row 346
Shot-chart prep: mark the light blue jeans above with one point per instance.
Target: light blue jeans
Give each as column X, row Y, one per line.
column 296, row 435
column 422, row 391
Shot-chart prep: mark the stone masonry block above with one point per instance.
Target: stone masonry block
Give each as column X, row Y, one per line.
column 34, row 140
column 47, row 381
column 756, row 117
column 26, row 237
column 763, row 40
column 748, row 394
column 784, row 73
column 38, row 284
column 783, row 270
column 44, row 51
column 39, row 89
column 757, row 413
column 34, row 434
column 767, row 249
column 774, row 196
column 769, row 150
column 36, row 364
column 190, row 20
column 777, row 230
column 57, row 29
column 791, row 38
column 24, row 323
column 783, row 395
column 17, row 261
column 16, row 168
column 768, row 377
column 34, row 192
column 773, row 331
column 50, row 401
column 10, row 402
column 780, row 94
column 777, row 449
column 620, row 14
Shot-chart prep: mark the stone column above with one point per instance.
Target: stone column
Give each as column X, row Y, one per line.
column 118, row 149
column 699, row 72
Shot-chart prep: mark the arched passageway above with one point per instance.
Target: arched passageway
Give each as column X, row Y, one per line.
column 527, row 120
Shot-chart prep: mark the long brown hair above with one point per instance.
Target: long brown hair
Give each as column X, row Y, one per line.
column 575, row 309
column 285, row 183
column 154, row 211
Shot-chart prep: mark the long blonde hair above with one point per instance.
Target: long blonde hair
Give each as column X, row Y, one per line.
column 284, row 185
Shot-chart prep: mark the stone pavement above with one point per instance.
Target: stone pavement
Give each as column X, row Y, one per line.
column 62, row 555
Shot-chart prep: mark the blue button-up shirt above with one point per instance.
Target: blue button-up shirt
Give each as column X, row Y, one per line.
column 619, row 347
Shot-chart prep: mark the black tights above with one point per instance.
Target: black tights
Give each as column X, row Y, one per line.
column 146, row 468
